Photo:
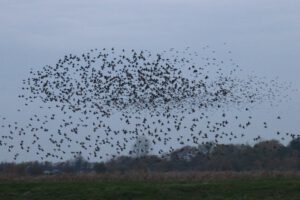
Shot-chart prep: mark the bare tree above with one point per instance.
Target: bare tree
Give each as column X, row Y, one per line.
column 207, row 147
column 141, row 147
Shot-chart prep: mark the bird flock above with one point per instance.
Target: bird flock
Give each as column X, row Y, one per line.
column 99, row 103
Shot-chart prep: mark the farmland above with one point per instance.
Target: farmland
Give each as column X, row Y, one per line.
column 223, row 185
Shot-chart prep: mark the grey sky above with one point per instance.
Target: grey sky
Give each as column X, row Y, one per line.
column 264, row 36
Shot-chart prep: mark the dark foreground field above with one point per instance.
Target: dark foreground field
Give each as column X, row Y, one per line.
column 73, row 188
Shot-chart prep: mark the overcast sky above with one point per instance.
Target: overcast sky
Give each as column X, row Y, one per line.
column 263, row 35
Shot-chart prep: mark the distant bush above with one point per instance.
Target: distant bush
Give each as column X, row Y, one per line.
column 100, row 168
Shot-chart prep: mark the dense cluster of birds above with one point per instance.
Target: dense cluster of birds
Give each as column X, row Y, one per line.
column 99, row 103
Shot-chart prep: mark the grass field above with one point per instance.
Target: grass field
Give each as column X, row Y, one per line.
column 236, row 188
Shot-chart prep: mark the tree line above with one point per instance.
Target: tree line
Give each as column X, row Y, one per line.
column 265, row 155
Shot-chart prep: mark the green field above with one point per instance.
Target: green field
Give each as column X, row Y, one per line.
column 222, row 189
